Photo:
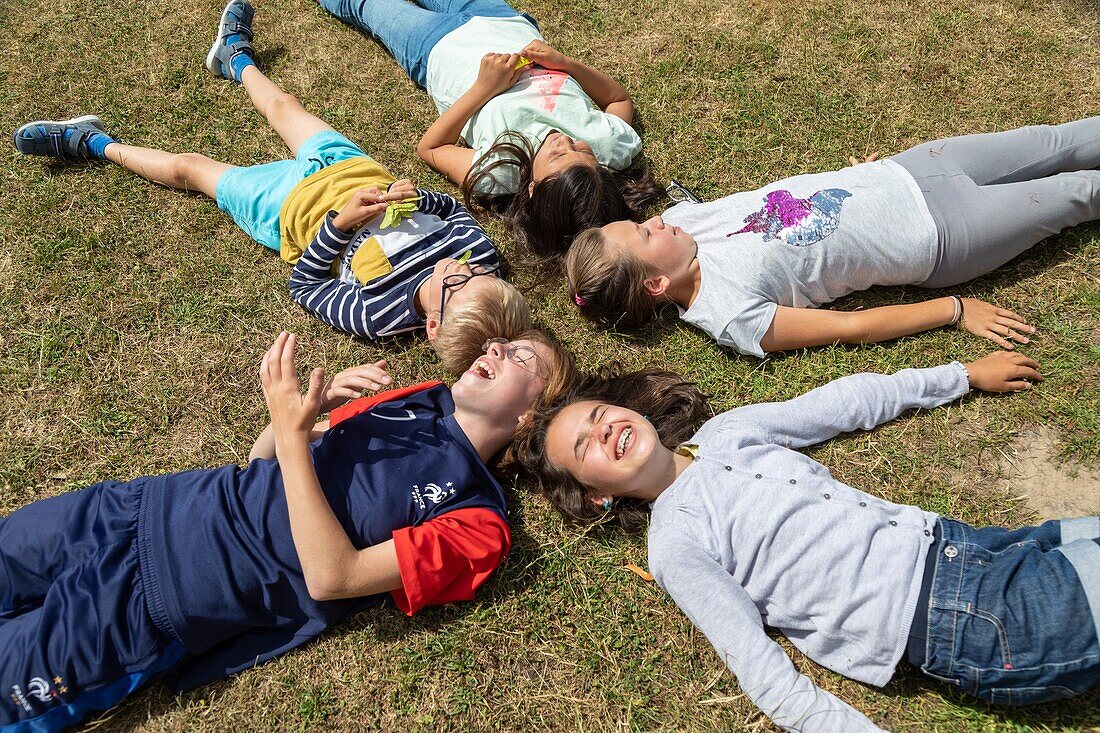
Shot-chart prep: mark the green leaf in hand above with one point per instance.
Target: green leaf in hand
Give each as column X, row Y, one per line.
column 397, row 211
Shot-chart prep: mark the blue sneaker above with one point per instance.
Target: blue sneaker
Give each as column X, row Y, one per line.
column 232, row 50
column 81, row 138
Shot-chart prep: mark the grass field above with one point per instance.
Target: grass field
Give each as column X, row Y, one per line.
column 132, row 319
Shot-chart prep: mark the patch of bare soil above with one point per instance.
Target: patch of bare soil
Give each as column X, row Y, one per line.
column 1053, row 487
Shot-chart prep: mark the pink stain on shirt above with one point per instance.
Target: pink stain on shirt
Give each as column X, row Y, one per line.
column 548, row 84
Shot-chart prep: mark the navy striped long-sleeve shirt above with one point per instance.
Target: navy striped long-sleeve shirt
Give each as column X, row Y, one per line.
column 386, row 305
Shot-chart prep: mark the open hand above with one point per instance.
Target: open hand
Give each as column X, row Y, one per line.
column 498, row 73
column 293, row 414
column 543, row 54
column 351, row 383
column 993, row 323
column 1004, row 371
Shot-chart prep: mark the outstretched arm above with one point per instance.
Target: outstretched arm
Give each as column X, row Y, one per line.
column 727, row 616
column 797, row 328
column 439, row 146
column 862, row 401
column 331, row 565
column 607, row 93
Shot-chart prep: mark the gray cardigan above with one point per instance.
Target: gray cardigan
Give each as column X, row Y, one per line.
column 754, row 533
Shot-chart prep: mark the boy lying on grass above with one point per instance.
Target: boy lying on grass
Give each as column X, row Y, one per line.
column 204, row 573
column 350, row 270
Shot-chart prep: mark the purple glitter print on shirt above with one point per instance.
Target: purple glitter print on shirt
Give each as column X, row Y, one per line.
column 796, row 221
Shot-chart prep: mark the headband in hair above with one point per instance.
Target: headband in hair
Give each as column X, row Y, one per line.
column 582, row 302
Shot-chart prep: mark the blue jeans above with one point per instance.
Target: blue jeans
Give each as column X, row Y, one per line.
column 409, row 32
column 1013, row 614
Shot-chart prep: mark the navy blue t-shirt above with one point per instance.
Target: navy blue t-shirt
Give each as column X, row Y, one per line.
column 222, row 573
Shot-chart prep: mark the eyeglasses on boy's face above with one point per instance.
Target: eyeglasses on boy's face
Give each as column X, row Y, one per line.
column 521, row 354
column 458, row 280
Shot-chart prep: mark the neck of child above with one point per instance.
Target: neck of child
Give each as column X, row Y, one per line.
column 686, row 287
column 668, row 468
column 420, row 300
column 488, row 434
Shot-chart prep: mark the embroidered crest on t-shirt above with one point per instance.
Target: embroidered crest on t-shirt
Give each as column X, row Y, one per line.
column 799, row 222
column 433, row 493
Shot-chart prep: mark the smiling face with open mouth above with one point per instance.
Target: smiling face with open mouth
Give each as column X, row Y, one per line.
column 500, row 385
column 609, row 448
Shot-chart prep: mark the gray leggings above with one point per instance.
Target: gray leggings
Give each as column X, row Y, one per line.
column 993, row 196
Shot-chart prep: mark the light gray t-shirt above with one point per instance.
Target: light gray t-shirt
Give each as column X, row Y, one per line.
column 543, row 100
column 755, row 532
column 804, row 241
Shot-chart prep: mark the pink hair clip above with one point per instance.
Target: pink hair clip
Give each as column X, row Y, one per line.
column 580, row 301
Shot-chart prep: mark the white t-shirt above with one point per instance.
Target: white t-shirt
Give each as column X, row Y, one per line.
column 801, row 242
column 543, row 100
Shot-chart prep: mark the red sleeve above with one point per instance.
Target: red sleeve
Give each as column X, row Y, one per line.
column 361, row 405
column 447, row 558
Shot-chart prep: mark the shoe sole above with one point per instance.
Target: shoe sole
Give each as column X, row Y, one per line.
column 83, row 119
column 212, row 55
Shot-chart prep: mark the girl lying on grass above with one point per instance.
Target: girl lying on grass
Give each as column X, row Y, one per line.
column 548, row 141
column 205, row 573
column 750, row 269
column 744, row 531
column 354, row 269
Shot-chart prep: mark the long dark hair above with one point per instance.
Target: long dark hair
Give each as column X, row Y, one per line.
column 545, row 220
column 673, row 405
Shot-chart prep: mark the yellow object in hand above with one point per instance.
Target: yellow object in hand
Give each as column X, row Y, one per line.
column 523, row 61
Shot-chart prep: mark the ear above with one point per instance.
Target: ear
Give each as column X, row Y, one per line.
column 657, row 285
column 431, row 327
column 599, row 501
column 530, row 189
column 524, row 420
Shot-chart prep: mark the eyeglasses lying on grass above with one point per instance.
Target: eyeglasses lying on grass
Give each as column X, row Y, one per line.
column 525, row 356
column 678, row 192
column 458, row 279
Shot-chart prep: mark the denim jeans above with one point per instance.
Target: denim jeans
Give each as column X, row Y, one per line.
column 408, row 31
column 1013, row 613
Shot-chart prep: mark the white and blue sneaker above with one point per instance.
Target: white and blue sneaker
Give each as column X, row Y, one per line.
column 232, row 51
column 81, row 138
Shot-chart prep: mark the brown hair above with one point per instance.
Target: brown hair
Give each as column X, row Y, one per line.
column 562, row 376
column 497, row 310
column 607, row 282
column 673, row 405
column 545, row 221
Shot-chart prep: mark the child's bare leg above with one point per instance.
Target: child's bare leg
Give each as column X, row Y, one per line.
column 283, row 111
column 186, row 171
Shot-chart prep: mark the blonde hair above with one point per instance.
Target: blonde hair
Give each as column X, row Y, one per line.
column 497, row 309
column 607, row 282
